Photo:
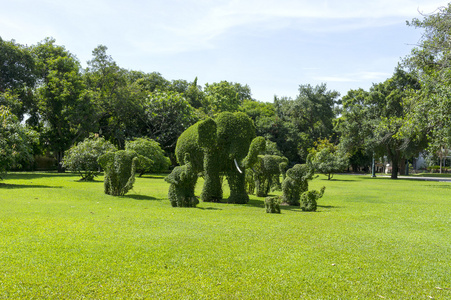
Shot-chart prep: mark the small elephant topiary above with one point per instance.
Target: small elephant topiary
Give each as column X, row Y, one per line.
column 309, row 199
column 120, row 168
column 183, row 180
column 266, row 173
column 272, row 205
column 295, row 183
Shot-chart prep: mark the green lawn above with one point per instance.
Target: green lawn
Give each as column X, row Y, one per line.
column 370, row 239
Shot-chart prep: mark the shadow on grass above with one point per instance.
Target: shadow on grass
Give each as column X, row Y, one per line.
column 140, row 197
column 261, row 204
column 27, row 186
column 27, row 176
column 440, row 186
column 208, row 208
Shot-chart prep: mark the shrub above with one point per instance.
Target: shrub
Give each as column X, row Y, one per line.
column 82, row 158
column 146, row 147
column 272, row 205
column 120, row 168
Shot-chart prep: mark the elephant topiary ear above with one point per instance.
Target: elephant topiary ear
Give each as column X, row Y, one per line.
column 207, row 133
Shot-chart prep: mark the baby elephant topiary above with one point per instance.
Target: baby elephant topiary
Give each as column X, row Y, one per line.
column 309, row 199
column 183, row 181
column 295, row 183
column 120, row 167
column 272, row 205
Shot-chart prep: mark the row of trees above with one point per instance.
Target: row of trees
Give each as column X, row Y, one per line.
column 50, row 103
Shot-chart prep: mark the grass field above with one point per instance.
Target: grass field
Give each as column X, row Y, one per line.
column 370, row 239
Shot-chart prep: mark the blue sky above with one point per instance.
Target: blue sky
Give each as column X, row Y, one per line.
column 271, row 45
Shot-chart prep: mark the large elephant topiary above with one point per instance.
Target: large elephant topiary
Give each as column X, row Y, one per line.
column 226, row 145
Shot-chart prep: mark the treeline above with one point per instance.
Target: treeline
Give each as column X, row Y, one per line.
column 48, row 103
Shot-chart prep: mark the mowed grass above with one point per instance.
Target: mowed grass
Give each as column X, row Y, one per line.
column 370, row 239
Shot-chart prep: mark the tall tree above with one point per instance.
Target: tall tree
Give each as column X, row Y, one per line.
column 64, row 106
column 117, row 97
column 375, row 120
column 167, row 115
column 15, row 141
column 310, row 116
column 431, row 61
column 226, row 96
column 17, row 77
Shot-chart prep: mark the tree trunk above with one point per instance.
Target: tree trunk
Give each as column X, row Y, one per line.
column 395, row 167
column 59, row 159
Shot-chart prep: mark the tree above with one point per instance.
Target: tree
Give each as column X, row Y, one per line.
column 65, row 107
column 146, row 147
column 431, row 62
column 117, row 95
column 167, row 115
column 226, row 96
column 372, row 121
column 388, row 108
column 15, row 141
column 17, row 77
column 303, row 120
column 326, row 158
column 354, row 129
column 82, row 158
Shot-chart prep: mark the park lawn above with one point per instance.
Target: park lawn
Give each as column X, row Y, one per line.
column 370, row 239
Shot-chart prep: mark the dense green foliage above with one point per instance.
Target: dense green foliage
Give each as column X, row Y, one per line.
column 15, row 141
column 120, row 168
column 296, row 183
column 167, row 115
column 82, row 158
column 157, row 161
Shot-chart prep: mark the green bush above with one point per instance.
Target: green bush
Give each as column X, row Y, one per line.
column 82, row 158
column 146, row 147
column 120, row 168
column 183, row 181
column 272, row 205
column 309, row 199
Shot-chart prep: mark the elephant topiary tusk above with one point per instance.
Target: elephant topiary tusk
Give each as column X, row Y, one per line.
column 236, row 165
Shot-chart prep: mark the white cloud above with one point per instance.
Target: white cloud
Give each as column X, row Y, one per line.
column 363, row 76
